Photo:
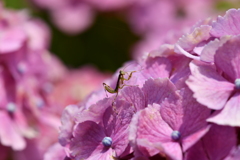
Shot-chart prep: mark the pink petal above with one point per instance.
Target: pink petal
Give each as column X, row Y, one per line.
column 227, row 25
column 209, row 88
column 199, row 34
column 209, row 50
column 227, row 58
column 116, row 126
column 12, row 40
column 9, row 134
column 65, row 18
column 216, row 144
column 156, row 90
column 94, row 112
column 68, row 122
column 230, row 113
column 87, row 140
column 158, row 67
column 135, row 96
column 151, row 127
column 55, row 152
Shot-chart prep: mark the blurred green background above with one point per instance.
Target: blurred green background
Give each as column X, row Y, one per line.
column 106, row 44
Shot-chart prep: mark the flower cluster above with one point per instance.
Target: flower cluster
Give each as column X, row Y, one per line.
column 180, row 102
column 30, row 76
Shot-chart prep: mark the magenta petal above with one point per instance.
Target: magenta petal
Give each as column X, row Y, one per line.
column 234, row 154
column 87, row 140
column 135, row 96
column 227, row 25
column 227, row 58
column 216, row 144
column 230, row 113
column 193, row 138
column 9, row 133
column 209, row 88
column 156, row 90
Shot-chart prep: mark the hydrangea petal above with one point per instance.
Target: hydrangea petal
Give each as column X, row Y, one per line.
column 152, row 127
column 199, row 34
column 180, row 67
column 216, row 144
column 158, row 67
column 229, row 115
column 87, row 140
column 116, row 125
column 135, row 96
column 209, row 50
column 9, row 134
column 209, row 88
column 95, row 111
column 185, row 114
column 234, row 154
column 156, row 90
column 68, row 122
column 12, row 40
column 227, row 58
column 227, row 25
column 55, row 152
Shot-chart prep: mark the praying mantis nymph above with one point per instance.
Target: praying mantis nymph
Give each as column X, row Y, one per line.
column 120, row 81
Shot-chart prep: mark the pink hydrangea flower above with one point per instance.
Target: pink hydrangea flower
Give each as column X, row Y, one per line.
column 219, row 90
column 24, row 60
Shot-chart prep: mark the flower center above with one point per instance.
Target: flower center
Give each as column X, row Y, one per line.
column 176, row 135
column 11, row 107
column 237, row 83
column 107, row 141
column 21, row 67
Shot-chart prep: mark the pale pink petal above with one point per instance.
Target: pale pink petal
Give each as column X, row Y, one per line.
column 73, row 19
column 12, row 40
column 9, row 134
column 229, row 115
column 55, row 152
column 227, row 58
column 209, row 50
column 199, row 34
column 209, row 88
column 68, row 122
column 227, row 25
column 158, row 67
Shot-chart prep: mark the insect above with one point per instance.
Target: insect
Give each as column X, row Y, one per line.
column 120, row 81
